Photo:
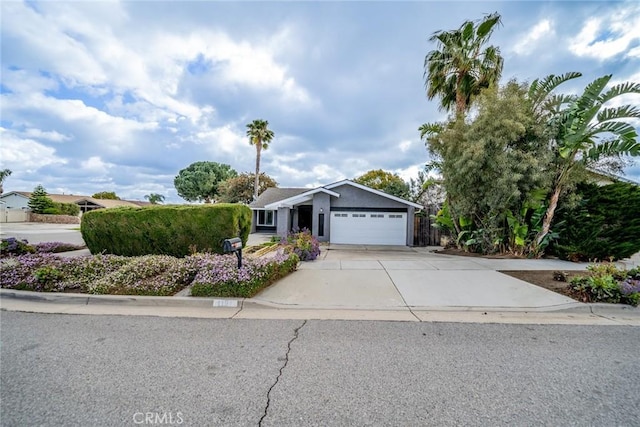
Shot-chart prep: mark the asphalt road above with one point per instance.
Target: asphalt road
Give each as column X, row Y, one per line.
column 115, row 370
column 34, row 232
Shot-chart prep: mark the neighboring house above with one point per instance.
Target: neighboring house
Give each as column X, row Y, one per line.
column 20, row 200
column 601, row 178
column 342, row 212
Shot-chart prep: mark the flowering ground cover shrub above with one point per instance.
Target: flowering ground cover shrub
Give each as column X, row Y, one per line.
column 211, row 275
column 219, row 275
column 607, row 283
column 49, row 273
column 13, row 246
column 146, row 275
column 56, row 247
column 303, row 244
column 19, row 272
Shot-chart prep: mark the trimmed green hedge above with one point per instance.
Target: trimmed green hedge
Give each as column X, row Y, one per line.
column 604, row 225
column 164, row 230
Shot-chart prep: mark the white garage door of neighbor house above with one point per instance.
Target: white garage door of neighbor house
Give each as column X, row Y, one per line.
column 369, row 228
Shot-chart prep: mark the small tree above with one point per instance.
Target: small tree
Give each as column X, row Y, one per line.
column 39, row 200
column 106, row 195
column 241, row 188
column 154, row 198
column 200, row 180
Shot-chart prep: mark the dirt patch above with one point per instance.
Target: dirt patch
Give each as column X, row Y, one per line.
column 460, row 252
column 545, row 279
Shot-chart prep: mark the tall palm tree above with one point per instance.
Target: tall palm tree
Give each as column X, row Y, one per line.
column 586, row 130
column 460, row 68
column 3, row 175
column 259, row 135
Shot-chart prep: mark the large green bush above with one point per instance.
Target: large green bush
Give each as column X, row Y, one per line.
column 164, row 230
column 604, row 225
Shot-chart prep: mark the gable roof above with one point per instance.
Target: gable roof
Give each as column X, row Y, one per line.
column 71, row 198
column 374, row 191
column 302, row 197
column 276, row 199
column 274, row 194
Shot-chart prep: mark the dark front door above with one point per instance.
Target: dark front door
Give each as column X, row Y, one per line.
column 304, row 217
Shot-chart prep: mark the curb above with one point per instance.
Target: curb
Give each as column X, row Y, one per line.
column 127, row 300
column 202, row 302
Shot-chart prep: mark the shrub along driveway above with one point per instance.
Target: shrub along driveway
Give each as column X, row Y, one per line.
column 400, row 277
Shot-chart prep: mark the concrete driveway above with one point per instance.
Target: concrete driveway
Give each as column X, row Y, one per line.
column 402, row 277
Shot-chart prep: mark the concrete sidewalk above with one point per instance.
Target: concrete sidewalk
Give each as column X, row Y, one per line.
column 224, row 308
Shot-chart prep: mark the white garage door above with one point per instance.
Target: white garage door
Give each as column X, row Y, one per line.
column 369, row 228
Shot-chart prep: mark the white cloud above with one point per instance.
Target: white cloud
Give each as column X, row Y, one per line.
column 46, row 135
column 25, row 155
column 225, row 139
column 541, row 30
column 90, row 49
column 405, row 145
column 410, row 172
column 96, row 166
column 605, row 37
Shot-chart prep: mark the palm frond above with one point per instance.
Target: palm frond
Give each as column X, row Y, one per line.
column 540, row 89
column 620, row 129
column 486, row 26
column 428, row 129
column 614, row 147
column 554, row 103
column 625, row 111
column 467, row 30
column 592, row 92
column 620, row 89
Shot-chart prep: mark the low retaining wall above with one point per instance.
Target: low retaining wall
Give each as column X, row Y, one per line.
column 54, row 219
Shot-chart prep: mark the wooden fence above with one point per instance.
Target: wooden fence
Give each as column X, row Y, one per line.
column 424, row 233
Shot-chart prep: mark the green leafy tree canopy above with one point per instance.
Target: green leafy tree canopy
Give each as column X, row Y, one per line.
column 154, row 198
column 241, row 188
column 200, row 180
column 106, row 195
column 389, row 182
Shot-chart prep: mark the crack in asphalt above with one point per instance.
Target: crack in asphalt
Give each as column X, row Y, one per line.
column 286, row 361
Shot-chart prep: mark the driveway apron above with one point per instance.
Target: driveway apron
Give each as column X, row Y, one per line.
column 398, row 278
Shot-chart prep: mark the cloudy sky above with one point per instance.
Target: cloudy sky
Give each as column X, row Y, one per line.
column 119, row 96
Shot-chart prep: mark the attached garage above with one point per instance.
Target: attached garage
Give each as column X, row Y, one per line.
column 344, row 212
column 369, row 228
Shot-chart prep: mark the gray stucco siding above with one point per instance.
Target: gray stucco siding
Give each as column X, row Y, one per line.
column 283, row 222
column 352, row 197
column 357, row 199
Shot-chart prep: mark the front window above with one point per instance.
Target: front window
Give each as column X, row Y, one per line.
column 265, row 218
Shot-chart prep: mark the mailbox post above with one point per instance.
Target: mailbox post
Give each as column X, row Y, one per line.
column 233, row 245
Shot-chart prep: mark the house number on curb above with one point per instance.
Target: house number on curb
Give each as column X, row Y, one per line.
column 225, row 303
